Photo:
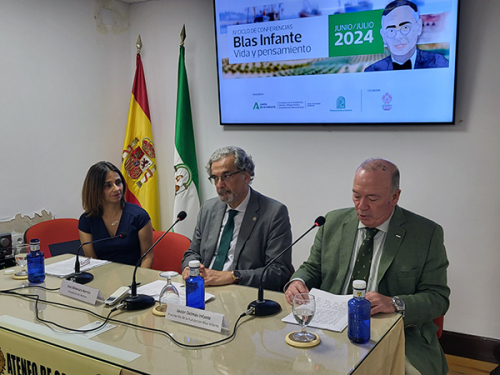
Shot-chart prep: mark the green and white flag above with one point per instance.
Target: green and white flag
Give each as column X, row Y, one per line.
column 185, row 166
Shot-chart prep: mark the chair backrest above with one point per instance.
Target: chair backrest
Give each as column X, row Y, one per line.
column 439, row 323
column 169, row 251
column 57, row 236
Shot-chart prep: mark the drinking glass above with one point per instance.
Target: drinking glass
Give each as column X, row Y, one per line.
column 303, row 307
column 20, row 253
column 169, row 293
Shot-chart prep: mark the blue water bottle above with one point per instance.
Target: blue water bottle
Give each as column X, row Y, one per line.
column 195, row 287
column 358, row 325
column 36, row 263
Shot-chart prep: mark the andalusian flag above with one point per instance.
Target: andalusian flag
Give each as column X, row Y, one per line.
column 138, row 158
column 185, row 166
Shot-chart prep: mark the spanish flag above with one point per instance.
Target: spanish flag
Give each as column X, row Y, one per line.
column 138, row 157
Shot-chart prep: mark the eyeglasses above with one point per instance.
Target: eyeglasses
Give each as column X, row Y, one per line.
column 404, row 30
column 224, row 178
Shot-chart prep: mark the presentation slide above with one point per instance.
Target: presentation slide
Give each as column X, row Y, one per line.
column 336, row 61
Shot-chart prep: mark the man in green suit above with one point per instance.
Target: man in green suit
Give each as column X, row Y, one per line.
column 408, row 266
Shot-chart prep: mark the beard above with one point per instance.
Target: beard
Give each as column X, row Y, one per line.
column 226, row 196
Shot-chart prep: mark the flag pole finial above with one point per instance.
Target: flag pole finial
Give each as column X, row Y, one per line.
column 183, row 34
column 139, row 44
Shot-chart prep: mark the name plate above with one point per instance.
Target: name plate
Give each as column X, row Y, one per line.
column 196, row 317
column 80, row 292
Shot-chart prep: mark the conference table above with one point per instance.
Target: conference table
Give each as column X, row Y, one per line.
column 28, row 346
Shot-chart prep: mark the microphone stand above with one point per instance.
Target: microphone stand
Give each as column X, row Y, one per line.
column 86, row 277
column 141, row 301
column 265, row 307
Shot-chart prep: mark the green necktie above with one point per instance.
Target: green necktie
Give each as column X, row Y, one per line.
column 363, row 263
column 225, row 242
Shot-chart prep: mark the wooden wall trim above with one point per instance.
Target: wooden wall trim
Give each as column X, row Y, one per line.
column 470, row 346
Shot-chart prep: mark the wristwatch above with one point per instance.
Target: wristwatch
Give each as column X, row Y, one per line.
column 236, row 276
column 399, row 304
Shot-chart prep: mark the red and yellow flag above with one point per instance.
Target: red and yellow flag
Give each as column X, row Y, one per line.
column 138, row 157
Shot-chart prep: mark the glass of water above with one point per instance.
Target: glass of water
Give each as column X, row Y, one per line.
column 20, row 253
column 303, row 307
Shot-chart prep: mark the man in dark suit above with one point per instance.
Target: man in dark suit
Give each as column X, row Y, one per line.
column 407, row 272
column 401, row 27
column 260, row 228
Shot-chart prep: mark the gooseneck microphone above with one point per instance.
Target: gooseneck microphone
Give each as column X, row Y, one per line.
column 141, row 301
column 264, row 307
column 85, row 277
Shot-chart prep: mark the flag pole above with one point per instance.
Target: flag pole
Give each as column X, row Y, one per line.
column 138, row 44
column 183, row 34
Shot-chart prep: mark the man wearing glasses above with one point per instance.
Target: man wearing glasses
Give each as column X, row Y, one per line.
column 401, row 27
column 239, row 232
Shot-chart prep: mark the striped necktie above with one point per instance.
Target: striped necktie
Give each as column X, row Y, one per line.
column 225, row 242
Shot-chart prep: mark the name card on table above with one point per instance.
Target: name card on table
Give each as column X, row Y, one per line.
column 196, row 317
column 80, row 292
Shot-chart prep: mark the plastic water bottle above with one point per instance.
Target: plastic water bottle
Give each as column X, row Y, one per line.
column 36, row 263
column 358, row 325
column 195, row 287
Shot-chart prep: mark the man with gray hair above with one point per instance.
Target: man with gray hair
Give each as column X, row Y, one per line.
column 404, row 262
column 239, row 232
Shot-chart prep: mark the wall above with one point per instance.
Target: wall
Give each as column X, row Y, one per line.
column 448, row 173
column 66, row 90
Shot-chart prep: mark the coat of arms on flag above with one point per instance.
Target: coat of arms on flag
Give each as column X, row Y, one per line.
column 139, row 160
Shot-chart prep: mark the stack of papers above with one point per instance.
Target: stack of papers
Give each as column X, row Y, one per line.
column 67, row 267
column 331, row 311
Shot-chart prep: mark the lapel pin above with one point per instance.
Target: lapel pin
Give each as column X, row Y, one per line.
column 398, row 236
column 254, row 218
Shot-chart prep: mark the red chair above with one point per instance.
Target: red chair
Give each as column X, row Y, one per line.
column 57, row 236
column 169, row 251
column 439, row 323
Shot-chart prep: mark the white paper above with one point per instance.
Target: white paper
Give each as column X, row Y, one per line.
column 154, row 289
column 95, row 332
column 67, row 267
column 331, row 311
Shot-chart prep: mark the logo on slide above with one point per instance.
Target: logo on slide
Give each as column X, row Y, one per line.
column 387, row 99
column 340, row 102
column 256, row 106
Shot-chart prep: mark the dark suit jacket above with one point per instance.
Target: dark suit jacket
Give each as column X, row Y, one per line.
column 412, row 266
column 265, row 232
column 424, row 60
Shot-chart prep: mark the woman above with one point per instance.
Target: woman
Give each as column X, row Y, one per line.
column 108, row 214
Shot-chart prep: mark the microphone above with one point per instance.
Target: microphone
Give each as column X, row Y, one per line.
column 85, row 277
column 264, row 307
column 141, row 301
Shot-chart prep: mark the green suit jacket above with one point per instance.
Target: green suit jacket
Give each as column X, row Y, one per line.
column 412, row 266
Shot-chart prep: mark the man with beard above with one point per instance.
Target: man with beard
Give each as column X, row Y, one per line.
column 237, row 234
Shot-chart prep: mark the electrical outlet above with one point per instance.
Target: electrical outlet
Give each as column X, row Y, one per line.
column 17, row 238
